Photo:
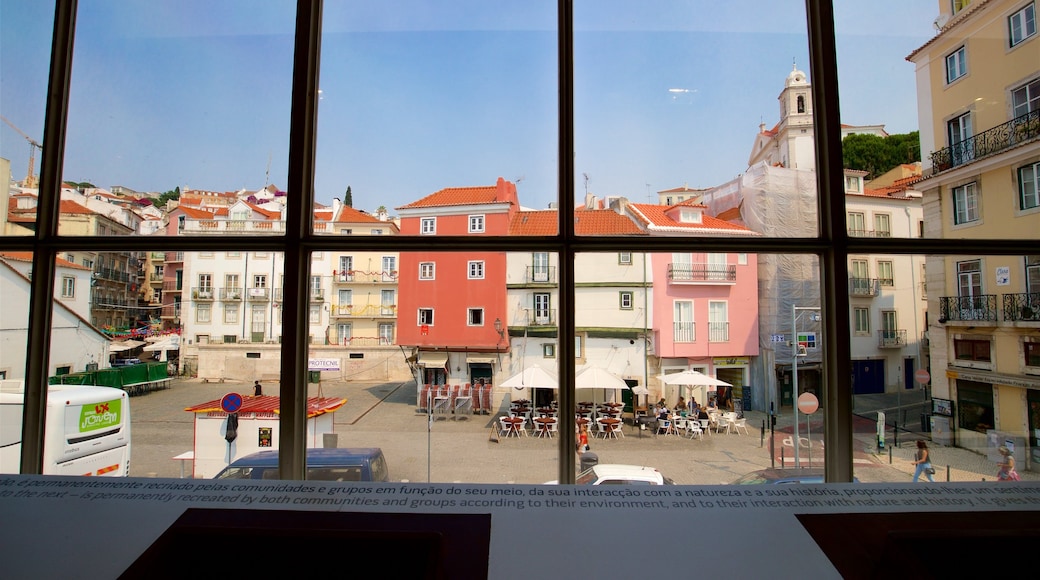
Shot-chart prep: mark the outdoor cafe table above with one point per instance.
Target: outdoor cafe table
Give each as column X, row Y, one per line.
column 609, row 422
column 514, row 425
column 546, row 410
column 521, row 402
column 544, row 423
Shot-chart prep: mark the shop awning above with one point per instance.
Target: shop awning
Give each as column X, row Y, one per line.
column 433, row 359
column 125, row 345
column 479, row 360
column 163, row 345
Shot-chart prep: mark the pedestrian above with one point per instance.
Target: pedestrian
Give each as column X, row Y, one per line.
column 257, row 389
column 1006, row 470
column 583, row 439
column 922, row 462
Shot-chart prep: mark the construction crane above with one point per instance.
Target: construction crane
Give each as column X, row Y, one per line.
column 30, row 178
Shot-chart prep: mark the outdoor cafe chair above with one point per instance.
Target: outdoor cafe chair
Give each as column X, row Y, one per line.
column 693, row 429
column 601, row 428
column 738, row 424
column 616, row 431
column 705, row 425
column 665, row 426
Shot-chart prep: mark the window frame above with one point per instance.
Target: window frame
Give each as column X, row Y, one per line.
column 475, row 270
column 1034, row 168
column 472, row 314
column 625, row 299
column 861, row 320
column 958, row 58
column 427, row 270
column 428, row 226
column 477, row 223
column 1031, row 10
column 966, row 211
column 300, row 241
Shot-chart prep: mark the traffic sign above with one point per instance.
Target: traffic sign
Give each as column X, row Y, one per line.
column 922, row 376
column 808, row 403
column 231, row 402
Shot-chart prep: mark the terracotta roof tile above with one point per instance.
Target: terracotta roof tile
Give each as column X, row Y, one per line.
column 656, row 215
column 350, row 215
column 27, row 257
column 588, row 222
column 456, row 196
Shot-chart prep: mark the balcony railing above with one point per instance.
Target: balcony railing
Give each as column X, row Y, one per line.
column 989, row 142
column 540, row 275
column 979, row 308
column 870, row 233
column 317, row 295
column 682, row 273
column 231, row 294
column 364, row 310
column 110, row 274
column 258, row 294
column 540, row 316
column 864, row 286
column 891, row 338
column 174, row 257
column 171, row 311
column 155, row 277
column 238, row 226
column 684, row 331
column 202, row 293
column 345, row 276
column 718, row 332
column 1023, row 307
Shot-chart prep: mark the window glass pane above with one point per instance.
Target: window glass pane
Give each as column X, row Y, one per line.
column 25, row 42
column 422, row 110
column 165, row 104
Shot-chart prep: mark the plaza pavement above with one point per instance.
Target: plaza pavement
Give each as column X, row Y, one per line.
column 384, row 415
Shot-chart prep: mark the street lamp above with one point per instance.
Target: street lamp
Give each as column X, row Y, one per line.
column 796, row 351
column 499, row 329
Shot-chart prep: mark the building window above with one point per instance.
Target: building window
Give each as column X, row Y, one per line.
column 386, row 333
column 230, row 313
column 1029, row 186
column 1022, row 24
column 475, row 270
column 624, row 258
column 315, row 314
column 578, row 342
column 475, row 317
column 476, row 224
column 426, row 316
column 1032, row 273
column 958, row 5
column 965, row 204
column 682, row 321
column 203, row 313
column 426, row 270
column 975, row 406
column 625, row 299
column 230, row 338
column 260, row 281
column 542, row 308
column 1025, row 99
column 884, row 273
column 857, row 224
column 1032, row 352
column 344, row 332
column 548, row 351
column 428, row 226
column 852, row 183
column 882, row 225
column 68, row 287
column 861, row 321
column 956, row 65
column 376, row 232
column 718, row 321
column 972, row 350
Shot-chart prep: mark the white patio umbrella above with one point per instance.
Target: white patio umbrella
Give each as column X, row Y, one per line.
column 598, row 378
column 691, row 378
column 533, row 377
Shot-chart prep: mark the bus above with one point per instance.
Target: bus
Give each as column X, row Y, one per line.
column 87, row 430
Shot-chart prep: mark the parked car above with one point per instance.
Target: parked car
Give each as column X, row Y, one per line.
column 323, row 464
column 125, row 362
column 618, row 474
column 783, row 476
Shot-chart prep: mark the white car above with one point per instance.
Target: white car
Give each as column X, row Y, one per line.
column 618, row 474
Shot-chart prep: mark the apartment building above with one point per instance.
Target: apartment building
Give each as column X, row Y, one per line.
column 978, row 86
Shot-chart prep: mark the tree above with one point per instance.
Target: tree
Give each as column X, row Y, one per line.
column 876, row 155
column 348, row 198
column 166, row 196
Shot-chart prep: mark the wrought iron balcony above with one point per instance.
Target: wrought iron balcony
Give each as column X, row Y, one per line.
column 258, row 294
column 695, row 273
column 870, row 233
column 891, row 338
column 989, row 142
column 684, row 331
column 981, row 308
column 540, row 316
column 1023, row 307
column 864, row 286
column 718, row 332
column 202, row 293
column 540, row 275
column 231, row 294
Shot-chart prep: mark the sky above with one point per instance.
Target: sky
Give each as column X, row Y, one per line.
column 417, row 96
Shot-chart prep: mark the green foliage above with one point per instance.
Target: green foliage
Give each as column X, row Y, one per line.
column 80, row 184
column 166, row 196
column 877, row 155
column 348, row 198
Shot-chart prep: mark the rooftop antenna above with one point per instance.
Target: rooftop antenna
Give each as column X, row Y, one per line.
column 649, row 197
column 586, row 176
column 267, row 173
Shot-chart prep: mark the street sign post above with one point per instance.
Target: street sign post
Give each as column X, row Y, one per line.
column 922, row 376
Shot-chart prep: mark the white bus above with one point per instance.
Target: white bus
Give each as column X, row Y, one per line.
column 87, row 430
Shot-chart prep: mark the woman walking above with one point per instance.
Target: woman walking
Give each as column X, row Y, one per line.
column 922, row 462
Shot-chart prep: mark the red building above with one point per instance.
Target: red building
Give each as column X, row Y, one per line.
column 452, row 308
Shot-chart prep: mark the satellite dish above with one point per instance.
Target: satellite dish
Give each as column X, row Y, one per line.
column 941, row 21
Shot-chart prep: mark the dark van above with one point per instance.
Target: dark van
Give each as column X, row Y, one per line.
column 323, row 464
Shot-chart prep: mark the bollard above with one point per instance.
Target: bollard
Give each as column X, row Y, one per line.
column 762, row 438
column 895, row 434
column 947, row 474
column 782, row 462
column 890, row 456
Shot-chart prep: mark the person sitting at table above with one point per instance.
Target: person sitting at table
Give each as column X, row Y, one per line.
column 702, row 414
column 712, row 405
column 693, row 406
column 662, row 411
column 681, row 405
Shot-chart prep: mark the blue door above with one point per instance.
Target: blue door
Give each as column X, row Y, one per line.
column 868, row 376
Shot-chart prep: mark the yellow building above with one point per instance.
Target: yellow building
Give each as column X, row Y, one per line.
column 978, row 83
